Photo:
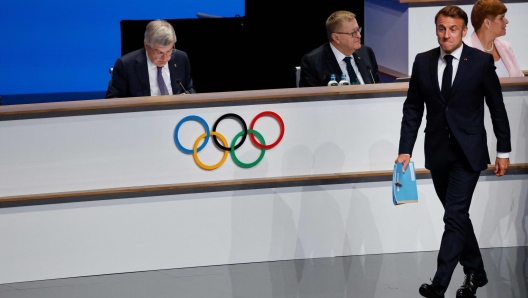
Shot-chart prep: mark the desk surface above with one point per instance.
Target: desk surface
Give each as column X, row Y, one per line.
column 231, row 185
column 138, row 104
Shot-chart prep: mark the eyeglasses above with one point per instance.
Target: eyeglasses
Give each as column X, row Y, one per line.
column 159, row 54
column 353, row 34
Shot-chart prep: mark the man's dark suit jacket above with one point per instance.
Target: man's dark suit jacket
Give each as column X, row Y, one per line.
column 463, row 115
column 319, row 64
column 130, row 76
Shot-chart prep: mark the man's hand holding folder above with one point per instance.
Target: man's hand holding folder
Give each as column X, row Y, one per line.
column 404, row 188
column 405, row 159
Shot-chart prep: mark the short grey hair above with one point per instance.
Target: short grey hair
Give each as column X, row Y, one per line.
column 159, row 32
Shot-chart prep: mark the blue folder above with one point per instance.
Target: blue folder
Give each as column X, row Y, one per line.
column 404, row 184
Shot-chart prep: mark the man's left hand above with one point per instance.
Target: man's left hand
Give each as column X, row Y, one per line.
column 501, row 165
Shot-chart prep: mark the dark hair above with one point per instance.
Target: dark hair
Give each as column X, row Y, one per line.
column 484, row 9
column 454, row 12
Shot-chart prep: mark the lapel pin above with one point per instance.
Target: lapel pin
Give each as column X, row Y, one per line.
column 359, row 57
column 465, row 59
column 175, row 65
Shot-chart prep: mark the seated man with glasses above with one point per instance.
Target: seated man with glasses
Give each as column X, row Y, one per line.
column 156, row 69
column 343, row 54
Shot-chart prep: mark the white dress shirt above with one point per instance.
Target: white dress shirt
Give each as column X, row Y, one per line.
column 456, row 60
column 342, row 64
column 153, row 77
column 442, row 64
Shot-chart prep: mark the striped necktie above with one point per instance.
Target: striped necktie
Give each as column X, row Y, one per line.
column 161, row 83
column 351, row 73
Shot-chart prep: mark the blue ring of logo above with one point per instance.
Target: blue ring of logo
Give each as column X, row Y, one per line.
column 189, row 118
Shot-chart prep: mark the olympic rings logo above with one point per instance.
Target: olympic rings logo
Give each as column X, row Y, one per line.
column 261, row 143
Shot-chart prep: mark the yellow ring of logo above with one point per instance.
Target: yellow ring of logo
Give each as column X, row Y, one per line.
column 195, row 151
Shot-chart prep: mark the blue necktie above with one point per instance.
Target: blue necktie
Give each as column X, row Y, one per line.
column 161, row 83
column 447, row 77
column 351, row 73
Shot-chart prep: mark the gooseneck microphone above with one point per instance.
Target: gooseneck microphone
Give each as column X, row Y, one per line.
column 371, row 76
column 180, row 82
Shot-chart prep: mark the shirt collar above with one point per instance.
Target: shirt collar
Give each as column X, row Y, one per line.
column 456, row 53
column 339, row 56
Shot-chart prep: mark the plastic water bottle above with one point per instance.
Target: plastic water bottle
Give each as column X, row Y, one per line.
column 344, row 81
column 333, row 81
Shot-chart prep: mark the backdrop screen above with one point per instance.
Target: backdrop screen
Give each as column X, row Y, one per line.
column 68, row 46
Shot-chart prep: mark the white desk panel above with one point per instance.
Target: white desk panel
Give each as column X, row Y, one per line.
column 137, row 149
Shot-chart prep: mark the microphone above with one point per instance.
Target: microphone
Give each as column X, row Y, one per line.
column 180, row 82
column 370, row 71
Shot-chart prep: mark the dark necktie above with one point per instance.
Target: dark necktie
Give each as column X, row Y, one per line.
column 161, row 83
column 447, row 77
column 351, row 73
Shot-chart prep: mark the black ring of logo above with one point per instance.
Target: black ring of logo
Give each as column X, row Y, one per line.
column 235, row 116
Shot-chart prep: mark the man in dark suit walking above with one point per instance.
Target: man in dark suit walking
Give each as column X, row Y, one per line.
column 156, row 69
column 453, row 82
column 342, row 54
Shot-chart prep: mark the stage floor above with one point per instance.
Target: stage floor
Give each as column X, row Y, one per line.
column 388, row 275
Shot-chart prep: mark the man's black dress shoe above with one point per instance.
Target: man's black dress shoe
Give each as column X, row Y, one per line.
column 471, row 283
column 430, row 291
